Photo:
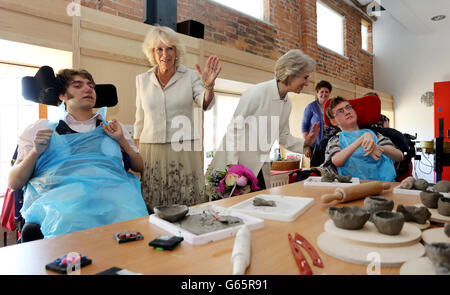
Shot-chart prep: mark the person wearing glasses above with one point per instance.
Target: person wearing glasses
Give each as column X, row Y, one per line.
column 358, row 152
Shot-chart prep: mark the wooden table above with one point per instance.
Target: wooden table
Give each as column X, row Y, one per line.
column 271, row 253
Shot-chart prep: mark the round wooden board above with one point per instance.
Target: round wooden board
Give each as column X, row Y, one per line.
column 357, row 253
column 418, row 266
column 371, row 236
column 435, row 216
column 420, row 226
column 435, row 235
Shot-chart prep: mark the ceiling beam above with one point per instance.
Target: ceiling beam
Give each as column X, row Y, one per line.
column 363, row 8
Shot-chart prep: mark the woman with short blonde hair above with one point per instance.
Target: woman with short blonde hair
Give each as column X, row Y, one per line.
column 155, row 36
column 166, row 95
column 291, row 64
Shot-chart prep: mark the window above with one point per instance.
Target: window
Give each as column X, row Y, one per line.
column 16, row 113
column 330, row 28
column 254, row 8
column 365, row 35
column 216, row 122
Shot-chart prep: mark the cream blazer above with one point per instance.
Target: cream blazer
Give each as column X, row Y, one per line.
column 261, row 104
column 156, row 108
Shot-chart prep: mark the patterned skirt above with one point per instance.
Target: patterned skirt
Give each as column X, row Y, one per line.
column 171, row 177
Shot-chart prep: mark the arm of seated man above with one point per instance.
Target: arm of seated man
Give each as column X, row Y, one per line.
column 367, row 142
column 22, row 170
column 114, row 130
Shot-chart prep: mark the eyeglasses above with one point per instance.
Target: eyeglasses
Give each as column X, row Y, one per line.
column 341, row 111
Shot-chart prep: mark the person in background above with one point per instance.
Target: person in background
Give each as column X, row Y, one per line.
column 169, row 93
column 314, row 113
column 384, row 120
column 267, row 105
column 358, row 152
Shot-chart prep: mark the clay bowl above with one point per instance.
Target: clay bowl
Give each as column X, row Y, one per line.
column 171, row 213
column 430, row 199
column 388, row 222
column 447, row 229
column 416, row 214
column 438, row 253
column 376, row 203
column 443, row 207
column 352, row 218
column 443, row 186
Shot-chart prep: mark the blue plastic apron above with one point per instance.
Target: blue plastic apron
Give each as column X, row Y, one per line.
column 79, row 182
column 365, row 167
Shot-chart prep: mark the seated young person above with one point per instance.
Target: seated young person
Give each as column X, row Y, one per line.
column 72, row 171
column 358, row 152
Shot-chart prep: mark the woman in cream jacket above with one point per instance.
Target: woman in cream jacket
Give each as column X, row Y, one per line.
column 262, row 116
column 169, row 102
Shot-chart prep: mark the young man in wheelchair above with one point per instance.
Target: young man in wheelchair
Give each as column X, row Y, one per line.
column 358, row 152
column 72, row 171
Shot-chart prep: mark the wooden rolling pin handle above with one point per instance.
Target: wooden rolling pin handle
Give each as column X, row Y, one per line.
column 327, row 198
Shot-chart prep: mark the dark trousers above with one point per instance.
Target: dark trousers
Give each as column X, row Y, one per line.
column 261, row 182
column 31, row 232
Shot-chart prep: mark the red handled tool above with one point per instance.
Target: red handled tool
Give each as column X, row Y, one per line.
column 310, row 249
column 303, row 265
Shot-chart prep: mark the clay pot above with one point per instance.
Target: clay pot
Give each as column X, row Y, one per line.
column 171, row 213
column 438, row 252
column 429, row 199
column 388, row 222
column 376, row 203
column 420, row 184
column 407, row 183
column 415, row 214
column 447, row 229
column 349, row 217
column 442, row 186
column 443, row 207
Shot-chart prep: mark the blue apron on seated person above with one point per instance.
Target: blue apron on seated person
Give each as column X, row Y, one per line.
column 365, row 167
column 79, row 182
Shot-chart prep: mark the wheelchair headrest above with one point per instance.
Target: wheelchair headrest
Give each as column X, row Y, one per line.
column 367, row 108
column 45, row 88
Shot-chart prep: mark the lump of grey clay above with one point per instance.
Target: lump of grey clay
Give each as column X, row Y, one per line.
column 407, row 183
column 443, row 206
column 344, row 178
column 327, row 177
column 352, row 218
column 439, row 254
column 376, row 203
column 442, row 186
column 388, row 222
column 171, row 213
column 419, row 215
column 431, row 188
column 205, row 223
column 447, row 229
column 420, row 184
column 429, row 199
column 261, row 202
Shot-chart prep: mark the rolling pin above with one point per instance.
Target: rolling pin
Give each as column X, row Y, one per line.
column 355, row 192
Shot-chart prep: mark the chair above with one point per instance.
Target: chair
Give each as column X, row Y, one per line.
column 368, row 109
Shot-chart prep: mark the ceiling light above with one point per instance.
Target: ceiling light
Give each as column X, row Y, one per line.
column 438, row 17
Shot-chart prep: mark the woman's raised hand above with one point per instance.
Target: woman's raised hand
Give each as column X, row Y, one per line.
column 210, row 72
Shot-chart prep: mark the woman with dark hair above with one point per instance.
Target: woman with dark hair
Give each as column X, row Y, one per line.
column 314, row 112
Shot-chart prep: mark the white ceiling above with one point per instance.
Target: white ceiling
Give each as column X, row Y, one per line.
column 416, row 15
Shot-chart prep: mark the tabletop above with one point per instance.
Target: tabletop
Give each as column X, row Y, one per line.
column 270, row 250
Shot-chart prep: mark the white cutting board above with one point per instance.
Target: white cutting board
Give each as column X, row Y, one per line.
column 175, row 229
column 418, row 266
column 287, row 208
column 371, row 236
column 357, row 253
column 315, row 181
column 402, row 191
column 436, row 216
column 435, row 235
